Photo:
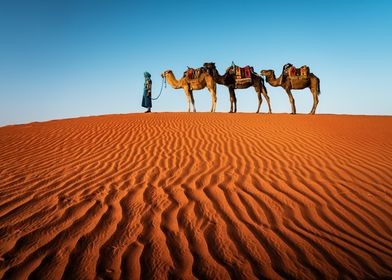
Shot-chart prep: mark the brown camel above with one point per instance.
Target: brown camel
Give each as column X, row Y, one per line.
column 228, row 79
column 289, row 83
column 204, row 80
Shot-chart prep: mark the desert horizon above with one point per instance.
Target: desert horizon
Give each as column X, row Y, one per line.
column 197, row 196
column 72, row 117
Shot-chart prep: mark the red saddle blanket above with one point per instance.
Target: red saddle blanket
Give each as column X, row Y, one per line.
column 243, row 72
column 303, row 71
column 192, row 73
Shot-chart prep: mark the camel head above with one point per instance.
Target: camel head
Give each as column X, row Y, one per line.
column 164, row 73
column 267, row 73
column 210, row 67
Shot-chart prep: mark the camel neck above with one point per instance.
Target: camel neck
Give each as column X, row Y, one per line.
column 217, row 77
column 272, row 80
column 171, row 80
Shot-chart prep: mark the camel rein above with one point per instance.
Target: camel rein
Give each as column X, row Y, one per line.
column 163, row 82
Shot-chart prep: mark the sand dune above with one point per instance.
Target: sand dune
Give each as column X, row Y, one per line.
column 197, row 196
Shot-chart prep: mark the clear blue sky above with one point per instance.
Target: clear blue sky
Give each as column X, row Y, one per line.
column 68, row 58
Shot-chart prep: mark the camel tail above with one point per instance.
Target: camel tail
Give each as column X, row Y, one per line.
column 318, row 87
column 313, row 76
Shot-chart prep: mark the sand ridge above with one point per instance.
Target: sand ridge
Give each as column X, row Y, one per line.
column 197, row 195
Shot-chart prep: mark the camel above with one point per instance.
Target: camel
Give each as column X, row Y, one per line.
column 289, row 83
column 228, row 79
column 204, row 80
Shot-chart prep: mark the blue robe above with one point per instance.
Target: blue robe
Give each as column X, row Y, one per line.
column 147, row 102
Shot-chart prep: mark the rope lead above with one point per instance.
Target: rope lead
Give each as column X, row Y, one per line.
column 163, row 82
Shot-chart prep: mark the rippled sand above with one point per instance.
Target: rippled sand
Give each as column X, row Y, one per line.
column 197, row 195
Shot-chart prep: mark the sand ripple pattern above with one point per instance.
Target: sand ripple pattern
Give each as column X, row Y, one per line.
column 197, row 196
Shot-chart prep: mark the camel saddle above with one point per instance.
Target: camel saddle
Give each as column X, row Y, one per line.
column 192, row 73
column 243, row 72
column 243, row 75
column 298, row 73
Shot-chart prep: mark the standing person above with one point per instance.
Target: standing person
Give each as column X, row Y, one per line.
column 147, row 101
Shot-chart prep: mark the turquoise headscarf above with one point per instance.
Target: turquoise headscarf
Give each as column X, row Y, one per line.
column 147, row 75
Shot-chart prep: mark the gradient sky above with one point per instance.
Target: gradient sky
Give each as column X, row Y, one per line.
column 67, row 58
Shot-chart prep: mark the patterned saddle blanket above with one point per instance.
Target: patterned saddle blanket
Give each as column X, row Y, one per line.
column 193, row 74
column 293, row 72
column 243, row 72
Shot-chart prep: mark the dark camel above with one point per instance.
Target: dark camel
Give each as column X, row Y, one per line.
column 289, row 83
column 228, row 80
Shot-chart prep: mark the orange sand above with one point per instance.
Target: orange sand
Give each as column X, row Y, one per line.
column 197, row 195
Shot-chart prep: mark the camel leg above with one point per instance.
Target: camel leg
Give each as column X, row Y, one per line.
column 260, row 100
column 188, row 96
column 315, row 100
column 214, row 102
column 235, row 104
column 233, row 101
column 293, row 111
column 213, row 97
column 193, row 101
column 314, row 89
column 264, row 92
